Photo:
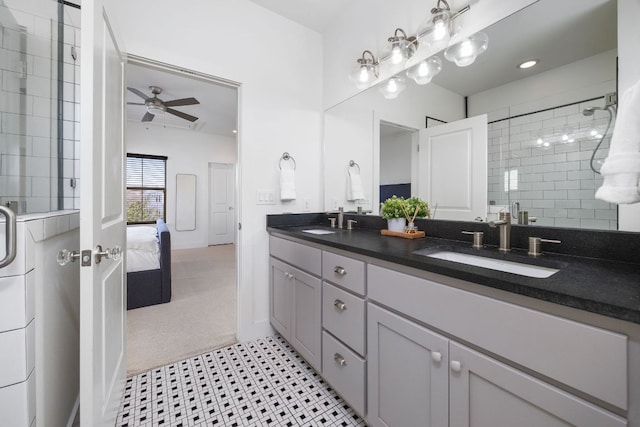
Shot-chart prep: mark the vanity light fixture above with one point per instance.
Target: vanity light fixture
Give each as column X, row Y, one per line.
column 392, row 87
column 366, row 71
column 424, row 71
column 465, row 52
column 437, row 29
column 400, row 48
column 528, row 64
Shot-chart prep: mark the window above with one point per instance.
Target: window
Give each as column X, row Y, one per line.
column 146, row 188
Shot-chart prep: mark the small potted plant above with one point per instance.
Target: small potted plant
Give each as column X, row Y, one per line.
column 393, row 210
column 398, row 211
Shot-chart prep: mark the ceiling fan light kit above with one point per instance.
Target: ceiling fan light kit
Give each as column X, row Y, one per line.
column 155, row 105
column 435, row 33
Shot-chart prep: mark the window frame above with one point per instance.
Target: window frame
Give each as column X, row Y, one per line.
column 135, row 188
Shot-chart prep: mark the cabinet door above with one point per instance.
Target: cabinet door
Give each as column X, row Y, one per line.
column 407, row 375
column 306, row 326
column 280, row 297
column 487, row 393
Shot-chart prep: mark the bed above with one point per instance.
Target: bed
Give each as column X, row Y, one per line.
column 148, row 265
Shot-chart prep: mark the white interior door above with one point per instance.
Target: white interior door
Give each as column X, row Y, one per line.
column 102, row 221
column 452, row 168
column 221, row 204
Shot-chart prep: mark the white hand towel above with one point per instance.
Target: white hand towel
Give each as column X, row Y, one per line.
column 287, row 184
column 621, row 169
column 354, row 188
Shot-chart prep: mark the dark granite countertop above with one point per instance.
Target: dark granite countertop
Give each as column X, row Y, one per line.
column 606, row 287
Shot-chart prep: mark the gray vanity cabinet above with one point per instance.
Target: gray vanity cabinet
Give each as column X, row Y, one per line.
column 295, row 297
column 408, row 372
column 490, row 393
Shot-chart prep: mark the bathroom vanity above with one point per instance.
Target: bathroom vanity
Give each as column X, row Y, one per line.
column 409, row 339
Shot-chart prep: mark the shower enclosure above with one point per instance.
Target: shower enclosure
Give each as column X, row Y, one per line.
column 547, row 163
column 39, row 105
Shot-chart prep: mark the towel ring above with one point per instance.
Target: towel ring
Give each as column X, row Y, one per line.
column 353, row 164
column 286, row 157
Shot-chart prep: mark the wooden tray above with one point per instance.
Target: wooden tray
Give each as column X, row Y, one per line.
column 417, row 235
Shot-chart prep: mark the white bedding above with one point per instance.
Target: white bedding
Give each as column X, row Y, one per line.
column 143, row 251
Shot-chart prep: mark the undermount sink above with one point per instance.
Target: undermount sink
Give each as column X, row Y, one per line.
column 318, row 231
column 494, row 264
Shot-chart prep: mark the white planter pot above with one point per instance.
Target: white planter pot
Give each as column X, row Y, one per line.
column 396, row 224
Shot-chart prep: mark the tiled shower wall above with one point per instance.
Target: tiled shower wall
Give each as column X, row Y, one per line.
column 541, row 160
column 29, row 132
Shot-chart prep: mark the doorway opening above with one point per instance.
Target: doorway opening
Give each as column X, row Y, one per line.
column 191, row 118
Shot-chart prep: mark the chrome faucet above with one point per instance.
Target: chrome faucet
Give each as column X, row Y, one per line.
column 340, row 217
column 504, row 224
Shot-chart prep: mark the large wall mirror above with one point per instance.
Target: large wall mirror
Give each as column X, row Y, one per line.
column 543, row 129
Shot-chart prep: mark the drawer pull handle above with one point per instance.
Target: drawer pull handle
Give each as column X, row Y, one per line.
column 339, row 359
column 436, row 356
column 340, row 305
column 340, row 270
column 456, row 366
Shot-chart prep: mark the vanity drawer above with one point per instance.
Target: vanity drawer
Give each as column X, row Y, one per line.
column 584, row 357
column 301, row 256
column 345, row 371
column 344, row 271
column 343, row 316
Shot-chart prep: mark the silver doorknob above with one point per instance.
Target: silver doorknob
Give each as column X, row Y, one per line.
column 65, row 257
column 340, row 270
column 113, row 253
column 339, row 359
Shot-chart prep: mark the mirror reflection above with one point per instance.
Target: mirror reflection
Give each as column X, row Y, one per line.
column 547, row 125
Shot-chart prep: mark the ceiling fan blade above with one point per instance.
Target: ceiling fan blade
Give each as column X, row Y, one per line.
column 183, row 101
column 139, row 93
column 135, row 103
column 182, row 115
column 147, row 117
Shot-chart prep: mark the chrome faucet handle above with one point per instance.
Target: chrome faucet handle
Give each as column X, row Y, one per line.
column 535, row 244
column 477, row 238
column 332, row 221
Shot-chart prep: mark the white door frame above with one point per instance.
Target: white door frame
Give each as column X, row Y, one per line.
column 146, row 62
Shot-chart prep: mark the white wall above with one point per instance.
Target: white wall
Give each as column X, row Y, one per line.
column 395, row 158
column 279, row 66
column 188, row 152
column 588, row 78
column 367, row 24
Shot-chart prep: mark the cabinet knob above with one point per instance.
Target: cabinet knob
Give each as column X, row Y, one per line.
column 339, row 359
column 340, row 305
column 340, row 270
column 436, row 356
column 456, row 366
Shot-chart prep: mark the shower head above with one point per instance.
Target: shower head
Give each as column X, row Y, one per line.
column 590, row 110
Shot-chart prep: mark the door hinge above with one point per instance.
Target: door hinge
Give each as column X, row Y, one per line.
column 418, row 147
column 239, row 226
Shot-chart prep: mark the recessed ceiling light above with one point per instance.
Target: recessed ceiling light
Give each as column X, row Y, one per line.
column 529, row 63
column 234, row 131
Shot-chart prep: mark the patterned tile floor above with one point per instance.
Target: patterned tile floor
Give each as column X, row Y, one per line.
column 259, row 383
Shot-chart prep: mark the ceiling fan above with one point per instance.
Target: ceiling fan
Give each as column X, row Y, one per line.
column 156, row 105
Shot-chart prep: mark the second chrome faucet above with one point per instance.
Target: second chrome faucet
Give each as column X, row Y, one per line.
column 504, row 226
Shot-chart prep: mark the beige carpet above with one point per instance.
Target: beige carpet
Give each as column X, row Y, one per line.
column 200, row 317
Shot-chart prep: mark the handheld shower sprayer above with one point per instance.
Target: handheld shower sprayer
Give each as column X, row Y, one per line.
column 589, row 111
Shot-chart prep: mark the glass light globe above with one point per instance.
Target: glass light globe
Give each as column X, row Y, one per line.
column 366, row 71
column 465, row 52
column 392, row 87
column 424, row 71
column 436, row 31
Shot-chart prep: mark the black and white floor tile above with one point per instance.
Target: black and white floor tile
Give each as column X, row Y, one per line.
column 259, row 383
